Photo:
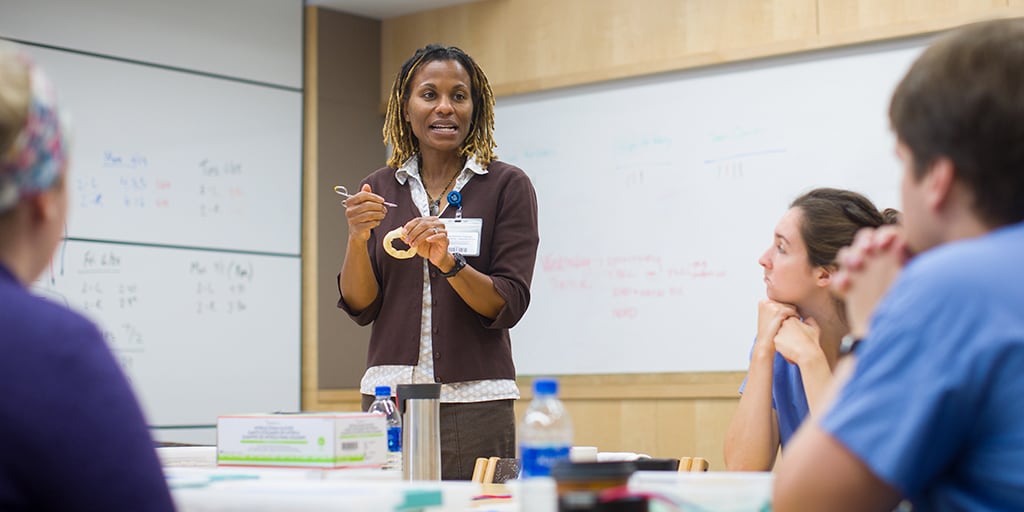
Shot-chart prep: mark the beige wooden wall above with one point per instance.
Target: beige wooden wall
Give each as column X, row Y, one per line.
column 531, row 45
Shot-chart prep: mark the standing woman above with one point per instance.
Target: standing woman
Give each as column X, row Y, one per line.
column 800, row 324
column 442, row 314
column 74, row 436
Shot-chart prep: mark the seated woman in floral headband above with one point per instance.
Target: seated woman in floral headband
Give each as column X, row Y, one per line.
column 74, row 437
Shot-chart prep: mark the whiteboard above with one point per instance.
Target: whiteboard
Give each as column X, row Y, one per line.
column 199, row 333
column 167, row 157
column 184, row 230
column 658, row 195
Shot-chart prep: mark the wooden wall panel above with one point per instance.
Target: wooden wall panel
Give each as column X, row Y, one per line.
column 876, row 19
column 531, row 45
column 335, row 400
column 350, row 148
column 340, row 104
column 662, row 415
column 470, row 26
column 526, row 45
column 310, row 274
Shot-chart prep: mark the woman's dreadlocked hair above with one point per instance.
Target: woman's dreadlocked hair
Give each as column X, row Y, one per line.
column 480, row 141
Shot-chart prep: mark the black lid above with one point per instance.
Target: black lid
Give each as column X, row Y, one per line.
column 625, row 504
column 583, row 501
column 429, row 391
column 657, row 464
column 579, row 471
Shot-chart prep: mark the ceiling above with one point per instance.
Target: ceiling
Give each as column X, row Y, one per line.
column 383, row 9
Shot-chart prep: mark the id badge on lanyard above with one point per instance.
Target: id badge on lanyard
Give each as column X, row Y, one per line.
column 463, row 234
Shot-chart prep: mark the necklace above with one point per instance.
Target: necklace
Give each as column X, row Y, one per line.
column 435, row 204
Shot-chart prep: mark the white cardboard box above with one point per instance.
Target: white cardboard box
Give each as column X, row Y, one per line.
column 323, row 440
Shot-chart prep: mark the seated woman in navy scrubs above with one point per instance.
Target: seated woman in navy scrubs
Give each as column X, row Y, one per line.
column 799, row 325
column 71, row 432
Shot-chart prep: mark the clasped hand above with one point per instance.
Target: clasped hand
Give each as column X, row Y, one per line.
column 780, row 329
column 866, row 270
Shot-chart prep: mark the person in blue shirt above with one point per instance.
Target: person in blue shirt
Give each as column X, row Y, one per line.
column 799, row 324
column 932, row 405
column 72, row 435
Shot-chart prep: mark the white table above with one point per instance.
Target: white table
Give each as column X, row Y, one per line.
column 199, row 485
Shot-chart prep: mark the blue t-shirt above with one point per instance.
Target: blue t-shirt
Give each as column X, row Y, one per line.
column 71, row 432
column 788, row 397
column 935, row 406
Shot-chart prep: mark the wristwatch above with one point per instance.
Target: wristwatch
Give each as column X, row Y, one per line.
column 460, row 262
column 848, row 344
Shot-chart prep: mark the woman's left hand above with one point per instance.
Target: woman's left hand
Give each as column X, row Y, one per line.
column 797, row 340
column 430, row 238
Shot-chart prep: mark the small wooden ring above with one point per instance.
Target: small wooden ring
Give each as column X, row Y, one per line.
column 397, row 253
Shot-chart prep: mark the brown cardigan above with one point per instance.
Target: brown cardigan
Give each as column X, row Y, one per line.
column 466, row 346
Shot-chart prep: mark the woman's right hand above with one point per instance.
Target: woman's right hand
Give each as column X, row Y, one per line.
column 364, row 211
column 770, row 315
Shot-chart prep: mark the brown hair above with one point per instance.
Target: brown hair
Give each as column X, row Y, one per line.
column 963, row 99
column 832, row 217
column 480, row 141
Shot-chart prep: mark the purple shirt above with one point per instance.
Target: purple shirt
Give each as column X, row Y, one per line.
column 73, row 436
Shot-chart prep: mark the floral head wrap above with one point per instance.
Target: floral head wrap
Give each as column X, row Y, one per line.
column 39, row 153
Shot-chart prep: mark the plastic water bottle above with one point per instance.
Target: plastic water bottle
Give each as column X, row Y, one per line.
column 545, row 434
column 385, row 406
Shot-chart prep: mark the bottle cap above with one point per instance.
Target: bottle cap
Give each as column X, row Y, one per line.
column 545, row 387
column 383, row 391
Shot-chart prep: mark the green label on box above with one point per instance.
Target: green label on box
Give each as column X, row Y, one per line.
column 268, row 458
column 269, row 441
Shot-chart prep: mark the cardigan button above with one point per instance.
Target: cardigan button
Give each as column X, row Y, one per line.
column 437, row 355
column 437, row 380
column 433, row 275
